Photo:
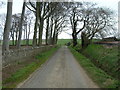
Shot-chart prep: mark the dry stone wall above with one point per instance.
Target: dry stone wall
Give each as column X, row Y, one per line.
column 22, row 54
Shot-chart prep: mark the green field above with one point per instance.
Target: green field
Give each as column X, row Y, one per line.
column 23, row 42
column 64, row 41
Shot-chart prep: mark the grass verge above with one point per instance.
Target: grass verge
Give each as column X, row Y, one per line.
column 23, row 73
column 104, row 58
column 98, row 75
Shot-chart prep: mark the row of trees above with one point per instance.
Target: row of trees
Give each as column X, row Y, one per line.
column 95, row 21
column 48, row 15
column 54, row 17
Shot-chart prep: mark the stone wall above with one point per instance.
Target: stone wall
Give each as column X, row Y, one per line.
column 22, row 54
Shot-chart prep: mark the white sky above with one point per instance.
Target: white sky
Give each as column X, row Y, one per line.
column 17, row 8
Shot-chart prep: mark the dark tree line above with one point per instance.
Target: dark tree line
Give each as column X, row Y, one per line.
column 94, row 20
column 53, row 17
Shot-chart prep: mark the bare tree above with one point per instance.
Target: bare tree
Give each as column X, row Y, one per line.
column 20, row 25
column 29, row 23
column 75, row 18
column 45, row 9
column 57, row 22
column 36, row 24
column 47, row 30
column 99, row 20
column 5, row 46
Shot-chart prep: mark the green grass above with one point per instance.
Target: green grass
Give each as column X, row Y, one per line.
column 99, row 76
column 23, row 42
column 23, row 73
column 64, row 41
column 105, row 58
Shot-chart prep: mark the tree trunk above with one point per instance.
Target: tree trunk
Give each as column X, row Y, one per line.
column 12, row 35
column 13, row 39
column 56, row 39
column 47, row 28
column 74, row 34
column 20, row 26
column 40, row 32
column 53, row 40
column 51, row 31
column 16, row 37
column 28, row 34
column 34, row 43
column 5, row 46
column 24, row 35
column 74, row 39
column 84, row 40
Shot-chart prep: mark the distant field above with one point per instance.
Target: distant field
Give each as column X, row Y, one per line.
column 64, row 41
column 23, row 42
column 60, row 41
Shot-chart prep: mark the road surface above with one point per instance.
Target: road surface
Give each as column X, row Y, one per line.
column 61, row 71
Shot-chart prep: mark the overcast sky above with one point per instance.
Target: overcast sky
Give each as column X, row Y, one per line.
column 17, row 8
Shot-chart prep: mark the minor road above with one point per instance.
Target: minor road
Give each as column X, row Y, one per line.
column 61, row 71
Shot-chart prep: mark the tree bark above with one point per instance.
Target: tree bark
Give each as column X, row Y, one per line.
column 20, row 26
column 51, row 31
column 56, row 39
column 28, row 33
column 74, row 39
column 16, row 36
column 12, row 34
column 54, row 33
column 34, row 43
column 85, row 41
column 47, row 28
column 40, row 32
column 53, row 39
column 5, row 46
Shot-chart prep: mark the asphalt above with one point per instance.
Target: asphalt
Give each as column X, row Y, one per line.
column 60, row 71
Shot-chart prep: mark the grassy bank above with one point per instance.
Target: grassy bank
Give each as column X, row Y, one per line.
column 99, row 76
column 23, row 73
column 104, row 58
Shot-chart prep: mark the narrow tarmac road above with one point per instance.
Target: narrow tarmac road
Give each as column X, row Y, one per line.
column 61, row 71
